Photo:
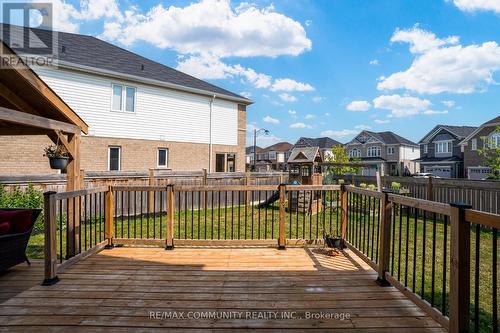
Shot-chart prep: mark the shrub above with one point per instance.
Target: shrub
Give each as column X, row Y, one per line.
column 27, row 198
column 395, row 185
column 372, row 187
column 362, row 185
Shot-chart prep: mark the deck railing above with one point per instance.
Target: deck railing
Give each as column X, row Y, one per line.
column 444, row 257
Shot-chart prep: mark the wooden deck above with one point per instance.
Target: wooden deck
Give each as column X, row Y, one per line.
column 117, row 290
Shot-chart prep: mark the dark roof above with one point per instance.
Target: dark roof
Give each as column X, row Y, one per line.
column 249, row 150
column 460, row 132
column 493, row 121
column 322, row 143
column 280, row 146
column 303, row 154
column 90, row 51
column 391, row 138
column 438, row 159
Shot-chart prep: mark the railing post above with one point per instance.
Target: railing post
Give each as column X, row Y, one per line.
column 281, row 239
column 459, row 269
column 343, row 215
column 151, row 193
column 50, row 276
column 385, row 237
column 169, row 243
column 110, row 208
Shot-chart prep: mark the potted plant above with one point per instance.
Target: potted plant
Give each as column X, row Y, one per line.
column 58, row 157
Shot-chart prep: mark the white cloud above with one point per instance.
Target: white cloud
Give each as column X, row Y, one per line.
column 432, row 112
column 290, row 85
column 318, row 99
column 292, row 112
column 358, row 106
column 401, row 106
column 374, row 62
column 448, row 104
column 309, row 116
column 246, row 94
column 420, row 40
column 362, row 127
column 215, row 27
column 441, row 66
column 477, row 5
column 288, row 98
column 300, row 125
column 308, row 23
column 327, row 114
column 271, row 120
column 339, row 134
column 381, row 121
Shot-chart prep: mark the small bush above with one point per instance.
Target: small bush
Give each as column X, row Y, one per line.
column 372, row 187
column 27, row 198
column 395, row 185
column 362, row 185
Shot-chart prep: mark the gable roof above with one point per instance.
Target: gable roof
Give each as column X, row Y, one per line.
column 490, row 123
column 91, row 54
column 249, row 149
column 280, row 146
column 460, row 132
column 304, row 154
column 388, row 138
column 322, row 143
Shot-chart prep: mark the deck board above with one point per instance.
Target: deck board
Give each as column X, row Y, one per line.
column 116, row 290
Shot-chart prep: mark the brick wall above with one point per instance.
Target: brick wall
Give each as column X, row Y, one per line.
column 24, row 154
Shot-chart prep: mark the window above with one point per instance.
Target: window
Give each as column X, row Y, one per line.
column 425, row 149
column 114, row 158
column 219, row 162
column 295, row 169
column 373, row 151
column 306, row 171
column 390, row 150
column 443, row 147
column 495, row 140
column 230, row 163
column 162, row 157
column 473, row 144
column 123, row 98
column 272, row 155
column 355, row 153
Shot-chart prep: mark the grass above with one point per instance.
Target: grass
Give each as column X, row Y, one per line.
column 408, row 260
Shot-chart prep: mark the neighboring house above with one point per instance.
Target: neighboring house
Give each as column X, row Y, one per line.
column 440, row 152
column 272, row 158
column 390, row 153
column 250, row 156
column 141, row 114
column 473, row 162
column 324, row 144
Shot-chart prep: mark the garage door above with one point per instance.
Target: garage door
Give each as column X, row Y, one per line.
column 443, row 172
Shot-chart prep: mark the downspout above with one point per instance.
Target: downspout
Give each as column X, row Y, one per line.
column 210, row 136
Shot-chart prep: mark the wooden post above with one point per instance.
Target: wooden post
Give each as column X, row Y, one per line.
column 430, row 191
column 50, row 276
column 169, row 243
column 110, row 208
column 281, row 239
column 459, row 269
column 385, row 238
column 73, row 183
column 151, row 194
column 343, row 216
column 204, row 183
column 379, row 181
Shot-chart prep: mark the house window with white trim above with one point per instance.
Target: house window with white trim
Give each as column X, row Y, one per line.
column 443, row 147
column 495, row 140
column 390, row 150
column 425, row 149
column 123, row 98
column 162, row 157
column 114, row 158
column 374, row 151
column 355, row 152
column 473, row 145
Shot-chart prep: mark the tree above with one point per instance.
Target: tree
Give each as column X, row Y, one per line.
column 491, row 153
column 339, row 155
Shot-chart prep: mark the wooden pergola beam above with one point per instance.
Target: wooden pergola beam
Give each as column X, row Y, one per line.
column 25, row 119
column 18, row 102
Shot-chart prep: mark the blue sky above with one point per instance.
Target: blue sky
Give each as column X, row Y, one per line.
column 321, row 67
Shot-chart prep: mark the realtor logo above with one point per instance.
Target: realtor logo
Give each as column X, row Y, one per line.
column 27, row 28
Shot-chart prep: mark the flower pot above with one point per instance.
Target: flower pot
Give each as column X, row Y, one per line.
column 334, row 242
column 58, row 163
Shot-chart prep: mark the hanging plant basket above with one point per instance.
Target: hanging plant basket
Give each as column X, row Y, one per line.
column 58, row 163
column 58, row 157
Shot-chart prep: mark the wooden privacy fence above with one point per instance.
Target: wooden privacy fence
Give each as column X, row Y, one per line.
column 481, row 195
column 444, row 257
